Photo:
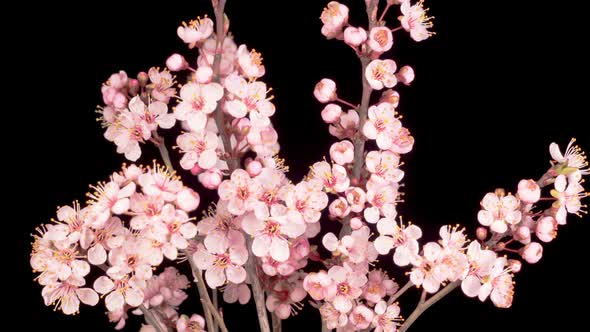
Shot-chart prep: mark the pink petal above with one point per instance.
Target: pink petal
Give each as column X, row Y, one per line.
column 279, row 249
column 87, row 296
column 215, row 277
column 235, row 274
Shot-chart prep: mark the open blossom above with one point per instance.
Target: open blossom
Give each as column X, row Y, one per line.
column 499, row 211
column 382, row 125
column 127, row 132
column 378, row 286
column 574, row 157
column 361, row 317
column 383, row 197
column 250, row 62
column 284, row 295
column 109, row 197
column 425, row 273
column 271, row 234
column 334, row 17
column 162, row 84
column 155, row 115
column 248, row 98
column 317, row 285
column 346, row 287
column 67, row 295
column 159, row 181
column 568, row 197
column 333, row 178
column 386, row 317
column 198, row 100
column 380, row 39
column 347, row 126
column 120, row 292
column 403, row 239
column 195, row 31
column 481, row 263
column 196, row 323
column 354, row 36
column 498, row 285
column 415, row 20
column 199, row 148
column 222, row 262
column 240, row 191
column 381, row 73
column 384, row 167
column 308, row 199
column 332, row 317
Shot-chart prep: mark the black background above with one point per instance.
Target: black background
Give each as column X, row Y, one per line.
column 496, row 85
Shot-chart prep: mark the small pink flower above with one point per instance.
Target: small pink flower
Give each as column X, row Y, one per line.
column 195, row 31
column 159, row 181
column 415, row 20
column 381, row 73
column 248, row 98
column 176, row 62
column 332, row 317
column 390, row 96
column 222, row 263
column 188, row 199
column 405, row 75
column 347, row 126
column 382, row 125
column 568, row 195
column 325, row 91
column 346, row 287
column 355, row 36
column 342, row 152
column 331, row 113
column 498, row 285
column 308, row 199
column 155, row 115
column 127, row 132
column 120, row 292
column 380, row 39
column 386, row 317
column 250, row 62
column 532, row 252
column 285, row 295
column 383, row 197
column 383, row 166
column 481, row 264
column 240, row 191
column 317, row 285
column 198, row 100
column 339, row 208
column 195, row 323
column 334, row 17
column 425, row 272
column 403, row 239
column 529, row 191
column 236, row 293
column 574, row 156
column 546, row 229
column 67, row 295
column 361, row 317
column 378, row 286
column 107, row 198
column 162, row 84
column 198, row 148
column 357, row 198
column 499, row 210
column 333, row 178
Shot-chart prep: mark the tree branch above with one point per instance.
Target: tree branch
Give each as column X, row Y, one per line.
column 421, row 307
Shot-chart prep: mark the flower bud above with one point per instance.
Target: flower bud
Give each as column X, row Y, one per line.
column 188, row 200
column 325, row 90
column 331, row 113
column 143, row 78
column 254, row 168
column 176, row 62
column 481, row 233
column 514, row 265
column 529, row 191
column 204, row 74
column 532, row 252
column 355, row 36
column 546, row 229
column 405, row 75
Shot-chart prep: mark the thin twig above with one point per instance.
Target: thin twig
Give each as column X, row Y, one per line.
column 151, row 319
column 420, row 308
column 400, row 292
column 276, row 323
column 257, row 290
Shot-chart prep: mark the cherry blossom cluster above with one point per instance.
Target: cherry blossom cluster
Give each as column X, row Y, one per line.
column 258, row 236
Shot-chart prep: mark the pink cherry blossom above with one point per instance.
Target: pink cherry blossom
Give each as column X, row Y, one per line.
column 346, row 287
column 120, row 292
column 198, row 100
column 354, row 36
column 155, row 115
column 386, row 317
column 195, row 31
column 98, row 241
column 405, row 75
column 176, row 62
column 499, row 210
column 381, row 73
column 107, row 198
column 199, row 148
column 250, row 62
column 307, row 198
column 403, row 239
column 361, row 317
column 236, row 293
column 383, row 197
column 162, row 84
column 415, row 20
column 222, row 263
column 546, row 229
column 317, row 285
column 195, row 323
column 334, row 179
column 271, row 235
column 384, row 167
column 240, row 191
column 334, row 17
column 325, row 91
column 481, row 263
column 425, row 273
column 532, row 252
column 529, row 191
column 378, row 286
column 285, row 295
column 382, row 125
column 498, row 285
column 332, row 317
column 248, row 98
column 574, row 156
column 356, row 197
column 127, row 132
column 342, row 152
column 66, row 295
column 339, row 208
column 331, row 113
column 347, row 126
column 568, row 195
column 380, row 39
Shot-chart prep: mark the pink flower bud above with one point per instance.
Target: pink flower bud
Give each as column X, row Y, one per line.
column 204, row 74
column 143, row 78
column 390, row 96
column 339, row 208
column 118, row 80
column 529, row 191
column 355, row 36
column 196, row 170
column 405, row 75
column 176, row 62
column 532, row 252
column 523, row 234
column 356, row 223
column 211, row 178
column 546, row 229
column 254, row 168
column 120, row 100
column 342, row 152
column 514, row 265
column 188, row 200
column 481, row 233
column 380, row 39
column 133, row 86
column 331, row 113
column 325, row 90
